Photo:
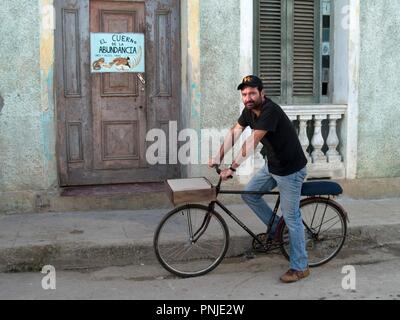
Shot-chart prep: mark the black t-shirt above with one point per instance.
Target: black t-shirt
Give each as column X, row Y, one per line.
column 281, row 144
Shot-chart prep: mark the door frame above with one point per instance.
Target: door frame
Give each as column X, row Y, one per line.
column 62, row 162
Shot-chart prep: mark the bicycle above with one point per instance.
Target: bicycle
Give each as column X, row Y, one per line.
column 192, row 239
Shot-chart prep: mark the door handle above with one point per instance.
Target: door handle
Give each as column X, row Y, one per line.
column 141, row 78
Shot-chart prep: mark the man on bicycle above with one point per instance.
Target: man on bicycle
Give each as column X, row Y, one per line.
column 285, row 167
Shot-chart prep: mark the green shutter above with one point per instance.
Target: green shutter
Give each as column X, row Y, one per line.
column 303, row 48
column 270, row 46
column 287, row 46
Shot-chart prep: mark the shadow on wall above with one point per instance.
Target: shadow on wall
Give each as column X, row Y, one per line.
column 1, row 103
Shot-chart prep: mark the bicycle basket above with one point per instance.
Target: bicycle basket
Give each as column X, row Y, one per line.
column 190, row 190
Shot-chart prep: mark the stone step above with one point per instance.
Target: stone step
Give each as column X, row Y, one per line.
column 134, row 196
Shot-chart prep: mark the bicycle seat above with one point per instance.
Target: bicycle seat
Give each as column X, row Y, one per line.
column 321, row 188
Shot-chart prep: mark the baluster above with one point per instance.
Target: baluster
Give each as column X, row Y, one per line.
column 333, row 141
column 303, row 135
column 317, row 140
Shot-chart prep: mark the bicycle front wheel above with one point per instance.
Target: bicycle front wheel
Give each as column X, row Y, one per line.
column 191, row 241
column 325, row 229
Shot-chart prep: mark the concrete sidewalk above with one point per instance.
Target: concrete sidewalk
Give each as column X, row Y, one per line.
column 79, row 240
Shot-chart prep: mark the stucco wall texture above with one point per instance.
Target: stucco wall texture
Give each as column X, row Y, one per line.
column 220, row 58
column 27, row 153
column 379, row 95
column 21, row 138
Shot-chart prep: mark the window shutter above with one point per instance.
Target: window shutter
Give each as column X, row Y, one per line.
column 270, row 46
column 304, row 48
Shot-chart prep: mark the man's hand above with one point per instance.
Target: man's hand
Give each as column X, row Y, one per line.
column 226, row 174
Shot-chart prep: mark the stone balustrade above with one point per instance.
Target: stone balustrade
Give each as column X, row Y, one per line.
column 317, row 127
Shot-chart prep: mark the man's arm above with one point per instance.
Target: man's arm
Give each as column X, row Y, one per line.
column 248, row 148
column 229, row 141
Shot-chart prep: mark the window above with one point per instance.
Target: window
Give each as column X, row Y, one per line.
column 293, row 49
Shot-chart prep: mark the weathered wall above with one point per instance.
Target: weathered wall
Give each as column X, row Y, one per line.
column 214, row 55
column 220, row 58
column 215, row 104
column 379, row 95
column 26, row 126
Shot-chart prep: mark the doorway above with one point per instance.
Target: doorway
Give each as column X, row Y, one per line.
column 103, row 118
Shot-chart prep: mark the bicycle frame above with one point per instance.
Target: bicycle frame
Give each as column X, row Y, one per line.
column 239, row 222
column 211, row 208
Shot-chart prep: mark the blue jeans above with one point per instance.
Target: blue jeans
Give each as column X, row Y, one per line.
column 290, row 192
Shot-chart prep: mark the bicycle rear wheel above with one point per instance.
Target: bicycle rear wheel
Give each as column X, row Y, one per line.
column 191, row 241
column 325, row 230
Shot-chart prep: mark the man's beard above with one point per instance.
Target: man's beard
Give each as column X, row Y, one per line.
column 256, row 105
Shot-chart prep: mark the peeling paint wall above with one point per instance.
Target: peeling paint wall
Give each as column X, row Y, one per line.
column 27, row 132
column 217, row 60
column 213, row 63
column 220, row 61
column 47, row 119
column 211, row 71
column 379, row 95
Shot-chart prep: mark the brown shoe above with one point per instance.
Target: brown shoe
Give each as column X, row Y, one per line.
column 293, row 275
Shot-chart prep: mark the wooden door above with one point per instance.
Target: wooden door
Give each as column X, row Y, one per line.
column 118, row 99
column 103, row 119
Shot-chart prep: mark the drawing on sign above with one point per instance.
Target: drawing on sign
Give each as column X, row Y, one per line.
column 117, row 52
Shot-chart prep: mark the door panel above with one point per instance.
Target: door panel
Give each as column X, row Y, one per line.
column 119, row 105
column 164, row 50
column 72, row 79
column 103, row 119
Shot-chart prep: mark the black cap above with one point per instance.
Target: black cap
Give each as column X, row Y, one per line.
column 251, row 81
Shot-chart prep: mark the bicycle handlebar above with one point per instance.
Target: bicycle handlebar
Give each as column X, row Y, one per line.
column 218, row 170
column 216, row 167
